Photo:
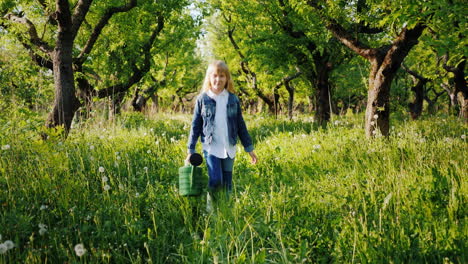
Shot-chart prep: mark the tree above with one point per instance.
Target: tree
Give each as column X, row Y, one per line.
column 74, row 51
column 385, row 60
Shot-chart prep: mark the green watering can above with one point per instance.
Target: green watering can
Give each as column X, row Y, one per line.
column 191, row 178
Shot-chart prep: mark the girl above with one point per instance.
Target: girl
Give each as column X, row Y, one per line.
column 218, row 120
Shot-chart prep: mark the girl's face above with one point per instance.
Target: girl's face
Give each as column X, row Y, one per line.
column 218, row 81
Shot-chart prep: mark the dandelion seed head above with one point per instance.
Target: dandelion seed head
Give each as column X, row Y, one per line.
column 376, row 116
column 42, row 231
column 43, row 207
column 5, row 147
column 3, row 249
column 101, row 169
column 149, row 151
column 145, row 169
column 9, row 244
column 463, row 136
column 372, row 123
column 80, row 250
column 107, row 187
column 105, row 179
column 91, row 147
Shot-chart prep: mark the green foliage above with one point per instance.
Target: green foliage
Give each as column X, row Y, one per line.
column 317, row 195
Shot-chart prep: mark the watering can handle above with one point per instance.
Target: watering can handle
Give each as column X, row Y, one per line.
column 191, row 177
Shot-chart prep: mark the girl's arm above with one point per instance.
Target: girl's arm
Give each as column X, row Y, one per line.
column 196, row 128
column 244, row 136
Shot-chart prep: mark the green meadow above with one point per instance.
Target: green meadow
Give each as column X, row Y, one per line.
column 109, row 193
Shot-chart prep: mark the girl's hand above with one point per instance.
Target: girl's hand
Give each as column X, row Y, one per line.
column 253, row 157
column 187, row 160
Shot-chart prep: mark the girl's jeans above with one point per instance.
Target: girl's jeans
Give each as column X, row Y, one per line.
column 219, row 173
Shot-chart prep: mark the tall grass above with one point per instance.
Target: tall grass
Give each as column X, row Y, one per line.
column 316, row 196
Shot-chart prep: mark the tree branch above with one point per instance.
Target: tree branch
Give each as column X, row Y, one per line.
column 344, row 36
column 100, row 25
column 415, row 74
column 34, row 38
column 137, row 72
column 41, row 61
column 79, row 14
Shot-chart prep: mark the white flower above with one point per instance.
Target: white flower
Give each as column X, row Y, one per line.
column 137, row 194
column 101, row 169
column 118, row 157
column 80, row 250
column 463, row 136
column 317, row 146
column 374, row 132
column 9, row 244
column 149, row 151
column 42, row 231
column 337, row 122
column 372, row 123
column 42, row 226
column 144, row 134
column 157, row 142
column 5, row 147
column 43, row 207
column 3, row 249
column 376, row 116
column 91, row 147
column 107, row 187
column 105, row 179
column 151, row 129
column 173, row 139
column 146, row 169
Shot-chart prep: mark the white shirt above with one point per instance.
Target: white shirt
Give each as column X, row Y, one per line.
column 220, row 146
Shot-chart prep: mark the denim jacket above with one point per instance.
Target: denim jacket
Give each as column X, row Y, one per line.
column 203, row 122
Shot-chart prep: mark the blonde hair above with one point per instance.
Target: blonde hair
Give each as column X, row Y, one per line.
column 219, row 66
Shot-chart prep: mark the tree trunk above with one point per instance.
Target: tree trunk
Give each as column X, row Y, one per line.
column 385, row 62
column 65, row 103
column 155, row 99
column 416, row 106
column 290, row 90
column 322, row 111
column 115, row 106
column 460, row 87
